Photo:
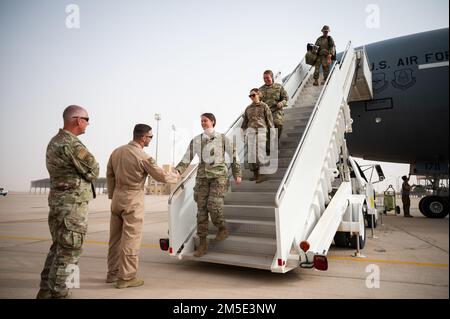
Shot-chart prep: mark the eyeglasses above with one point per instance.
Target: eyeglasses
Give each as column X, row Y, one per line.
column 252, row 95
column 80, row 117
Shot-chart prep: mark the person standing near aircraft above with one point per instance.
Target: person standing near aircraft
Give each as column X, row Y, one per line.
column 326, row 51
column 127, row 170
column 258, row 119
column 72, row 170
column 212, row 178
column 276, row 97
column 406, row 189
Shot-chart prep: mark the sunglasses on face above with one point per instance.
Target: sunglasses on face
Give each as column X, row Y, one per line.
column 81, row 117
column 252, row 95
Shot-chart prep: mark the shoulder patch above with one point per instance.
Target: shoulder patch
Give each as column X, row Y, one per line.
column 82, row 154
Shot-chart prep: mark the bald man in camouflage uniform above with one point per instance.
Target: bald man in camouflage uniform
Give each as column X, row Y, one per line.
column 276, row 98
column 258, row 118
column 325, row 52
column 212, row 178
column 72, row 170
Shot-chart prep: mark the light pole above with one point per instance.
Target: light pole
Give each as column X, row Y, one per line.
column 173, row 152
column 157, row 118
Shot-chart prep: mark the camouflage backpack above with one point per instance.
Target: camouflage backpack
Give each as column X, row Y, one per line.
column 311, row 54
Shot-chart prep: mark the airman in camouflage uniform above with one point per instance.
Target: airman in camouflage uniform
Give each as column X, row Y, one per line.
column 276, row 97
column 258, row 118
column 326, row 51
column 72, row 170
column 212, row 178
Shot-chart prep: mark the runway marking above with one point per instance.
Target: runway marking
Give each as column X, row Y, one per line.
column 392, row 262
column 337, row 258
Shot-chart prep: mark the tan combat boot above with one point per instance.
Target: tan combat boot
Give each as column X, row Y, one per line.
column 135, row 282
column 255, row 176
column 44, row 294
column 261, row 178
column 222, row 234
column 111, row 279
column 202, row 248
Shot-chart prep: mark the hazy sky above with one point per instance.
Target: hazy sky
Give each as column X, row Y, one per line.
column 132, row 59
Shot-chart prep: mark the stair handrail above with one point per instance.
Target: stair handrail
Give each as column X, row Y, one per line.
column 287, row 175
column 180, row 186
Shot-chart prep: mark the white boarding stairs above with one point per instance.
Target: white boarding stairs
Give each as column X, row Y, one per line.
column 310, row 195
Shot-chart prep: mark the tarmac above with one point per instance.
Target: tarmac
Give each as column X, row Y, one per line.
column 409, row 257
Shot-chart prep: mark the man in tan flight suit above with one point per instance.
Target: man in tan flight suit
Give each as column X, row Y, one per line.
column 127, row 171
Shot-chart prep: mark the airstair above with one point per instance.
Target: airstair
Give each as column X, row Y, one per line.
column 291, row 219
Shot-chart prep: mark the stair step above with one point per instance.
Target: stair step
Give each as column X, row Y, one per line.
column 246, row 212
column 250, row 198
column 289, row 143
column 279, row 174
column 296, row 121
column 243, row 245
column 293, row 117
column 290, row 138
column 258, row 262
column 298, row 110
column 284, row 162
column 286, row 153
column 295, row 127
column 292, row 133
column 248, row 186
column 248, row 227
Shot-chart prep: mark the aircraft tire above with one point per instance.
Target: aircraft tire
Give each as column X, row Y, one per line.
column 341, row 239
column 362, row 241
column 434, row 206
column 369, row 221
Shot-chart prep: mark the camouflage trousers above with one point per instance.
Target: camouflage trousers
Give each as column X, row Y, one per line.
column 278, row 121
column 62, row 260
column 209, row 194
column 256, row 148
column 321, row 61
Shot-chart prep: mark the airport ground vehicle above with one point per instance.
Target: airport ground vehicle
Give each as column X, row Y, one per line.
column 3, row 192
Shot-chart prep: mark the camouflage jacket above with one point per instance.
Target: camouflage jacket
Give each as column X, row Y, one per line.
column 257, row 116
column 272, row 95
column 326, row 46
column 72, row 170
column 211, row 150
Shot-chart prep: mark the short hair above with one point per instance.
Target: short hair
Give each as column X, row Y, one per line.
column 71, row 111
column 269, row 72
column 211, row 117
column 404, row 177
column 255, row 90
column 140, row 130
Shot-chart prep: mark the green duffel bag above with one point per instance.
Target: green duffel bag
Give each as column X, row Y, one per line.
column 310, row 58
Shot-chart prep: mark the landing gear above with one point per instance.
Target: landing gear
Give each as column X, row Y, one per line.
column 434, row 206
